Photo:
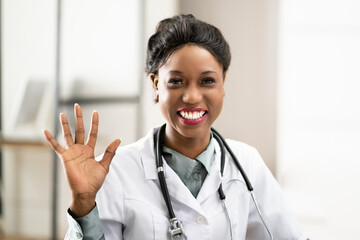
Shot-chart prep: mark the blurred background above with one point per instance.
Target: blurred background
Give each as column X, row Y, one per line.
column 292, row 91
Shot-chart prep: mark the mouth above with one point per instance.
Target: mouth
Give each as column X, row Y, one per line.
column 192, row 116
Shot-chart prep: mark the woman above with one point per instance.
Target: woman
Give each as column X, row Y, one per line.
column 187, row 61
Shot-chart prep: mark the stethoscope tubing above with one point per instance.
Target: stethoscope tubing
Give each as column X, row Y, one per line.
column 175, row 226
column 222, row 142
column 159, row 164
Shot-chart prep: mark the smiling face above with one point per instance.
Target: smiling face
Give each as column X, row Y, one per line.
column 190, row 86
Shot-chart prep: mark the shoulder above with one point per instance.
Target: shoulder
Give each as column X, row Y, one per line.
column 248, row 156
column 132, row 159
column 123, row 154
column 241, row 149
column 129, row 155
column 127, row 172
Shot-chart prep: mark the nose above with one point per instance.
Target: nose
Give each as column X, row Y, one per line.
column 192, row 95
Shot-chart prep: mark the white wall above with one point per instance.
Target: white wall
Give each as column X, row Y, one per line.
column 319, row 114
column 100, row 48
column 28, row 47
column 249, row 112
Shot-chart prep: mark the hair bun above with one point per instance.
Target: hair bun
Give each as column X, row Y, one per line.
column 173, row 33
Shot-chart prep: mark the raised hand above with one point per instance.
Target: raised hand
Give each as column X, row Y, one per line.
column 85, row 175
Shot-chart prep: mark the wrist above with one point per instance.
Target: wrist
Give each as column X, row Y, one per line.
column 82, row 205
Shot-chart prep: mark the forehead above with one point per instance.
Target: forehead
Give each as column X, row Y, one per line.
column 191, row 58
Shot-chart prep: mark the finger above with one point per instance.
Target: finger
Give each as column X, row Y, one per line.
column 66, row 130
column 93, row 130
column 109, row 154
column 53, row 143
column 79, row 130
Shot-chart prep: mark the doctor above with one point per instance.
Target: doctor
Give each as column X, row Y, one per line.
column 187, row 61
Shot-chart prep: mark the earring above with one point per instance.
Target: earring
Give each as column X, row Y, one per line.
column 156, row 96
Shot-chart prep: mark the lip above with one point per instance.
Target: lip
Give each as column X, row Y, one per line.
column 192, row 121
column 192, row 109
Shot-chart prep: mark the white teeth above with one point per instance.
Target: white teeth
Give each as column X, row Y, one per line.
column 192, row 115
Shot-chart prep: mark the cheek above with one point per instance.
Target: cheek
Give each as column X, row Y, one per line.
column 220, row 105
column 217, row 100
column 164, row 98
column 166, row 102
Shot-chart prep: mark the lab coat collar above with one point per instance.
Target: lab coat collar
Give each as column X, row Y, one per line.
column 146, row 147
column 231, row 172
column 179, row 191
column 213, row 180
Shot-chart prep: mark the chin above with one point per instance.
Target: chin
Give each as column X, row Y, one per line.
column 193, row 131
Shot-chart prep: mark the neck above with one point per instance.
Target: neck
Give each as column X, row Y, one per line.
column 188, row 146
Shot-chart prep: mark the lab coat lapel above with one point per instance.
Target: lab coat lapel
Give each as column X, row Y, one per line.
column 177, row 190
column 146, row 148
column 213, row 180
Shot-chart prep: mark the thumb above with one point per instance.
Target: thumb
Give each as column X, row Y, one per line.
column 109, row 154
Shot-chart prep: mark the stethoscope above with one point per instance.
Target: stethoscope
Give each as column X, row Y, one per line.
column 175, row 229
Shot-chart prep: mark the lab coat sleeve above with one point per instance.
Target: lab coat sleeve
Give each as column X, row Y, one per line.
column 282, row 224
column 88, row 227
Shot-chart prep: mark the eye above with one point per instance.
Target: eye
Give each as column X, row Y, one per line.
column 175, row 81
column 208, row 80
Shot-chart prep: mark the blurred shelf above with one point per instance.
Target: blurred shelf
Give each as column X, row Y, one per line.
column 12, row 142
column 100, row 100
column 21, row 238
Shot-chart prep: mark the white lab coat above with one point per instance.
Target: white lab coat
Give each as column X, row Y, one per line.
column 131, row 205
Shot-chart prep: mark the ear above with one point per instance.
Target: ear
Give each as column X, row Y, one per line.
column 155, row 80
column 224, row 77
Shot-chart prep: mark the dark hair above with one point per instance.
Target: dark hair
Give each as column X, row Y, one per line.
column 173, row 33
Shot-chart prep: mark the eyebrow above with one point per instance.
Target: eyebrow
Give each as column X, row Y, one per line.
column 206, row 72
column 180, row 72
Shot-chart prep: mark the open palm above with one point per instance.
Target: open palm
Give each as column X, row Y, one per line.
column 85, row 175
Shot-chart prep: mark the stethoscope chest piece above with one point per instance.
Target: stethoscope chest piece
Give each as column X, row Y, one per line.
column 176, row 231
